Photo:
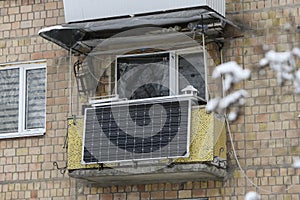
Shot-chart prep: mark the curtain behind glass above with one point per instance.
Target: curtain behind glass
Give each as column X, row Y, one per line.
column 192, row 72
column 143, row 76
column 35, row 104
column 9, row 100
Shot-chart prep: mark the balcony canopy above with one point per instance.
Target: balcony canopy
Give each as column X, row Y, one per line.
column 82, row 37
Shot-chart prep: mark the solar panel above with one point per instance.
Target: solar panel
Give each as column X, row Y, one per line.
column 137, row 130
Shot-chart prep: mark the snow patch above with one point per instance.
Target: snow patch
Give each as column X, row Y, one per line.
column 263, row 62
column 212, row 104
column 296, row 163
column 232, row 116
column 296, row 52
column 232, row 72
column 220, row 105
column 278, row 57
column 283, row 63
column 287, row 27
column 233, row 98
column 252, row 196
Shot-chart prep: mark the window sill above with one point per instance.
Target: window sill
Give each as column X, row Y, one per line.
column 31, row 133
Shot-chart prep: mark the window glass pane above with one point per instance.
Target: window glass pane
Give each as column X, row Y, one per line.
column 143, row 76
column 35, row 98
column 9, row 100
column 192, row 72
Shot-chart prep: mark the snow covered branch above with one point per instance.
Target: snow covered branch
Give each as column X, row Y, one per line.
column 296, row 162
column 283, row 63
column 232, row 74
column 252, row 196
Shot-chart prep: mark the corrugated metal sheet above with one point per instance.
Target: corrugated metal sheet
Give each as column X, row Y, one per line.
column 82, row 10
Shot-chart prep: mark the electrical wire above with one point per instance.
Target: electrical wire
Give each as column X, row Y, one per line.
column 230, row 134
column 240, row 167
column 237, row 160
column 70, row 83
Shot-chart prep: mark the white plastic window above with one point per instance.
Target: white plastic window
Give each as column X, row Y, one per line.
column 22, row 100
column 160, row 74
column 143, row 76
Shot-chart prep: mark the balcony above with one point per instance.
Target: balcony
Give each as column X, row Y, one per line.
column 206, row 158
column 163, row 40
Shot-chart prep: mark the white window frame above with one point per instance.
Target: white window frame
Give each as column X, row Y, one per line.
column 190, row 51
column 23, row 67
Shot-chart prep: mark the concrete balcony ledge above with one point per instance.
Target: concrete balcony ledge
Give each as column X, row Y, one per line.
column 206, row 160
column 144, row 175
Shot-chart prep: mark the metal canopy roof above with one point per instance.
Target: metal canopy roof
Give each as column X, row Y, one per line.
column 84, row 36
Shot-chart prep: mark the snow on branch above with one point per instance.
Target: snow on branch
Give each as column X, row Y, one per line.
column 283, row 63
column 296, row 163
column 232, row 73
column 252, row 196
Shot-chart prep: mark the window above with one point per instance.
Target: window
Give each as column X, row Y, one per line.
column 191, row 71
column 22, row 100
column 160, row 74
column 144, row 76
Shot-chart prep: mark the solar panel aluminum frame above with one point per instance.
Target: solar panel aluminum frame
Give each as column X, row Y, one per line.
column 189, row 98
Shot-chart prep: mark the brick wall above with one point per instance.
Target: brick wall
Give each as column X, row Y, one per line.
column 26, row 169
column 266, row 136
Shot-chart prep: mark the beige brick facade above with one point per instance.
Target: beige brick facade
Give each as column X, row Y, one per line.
column 266, row 136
